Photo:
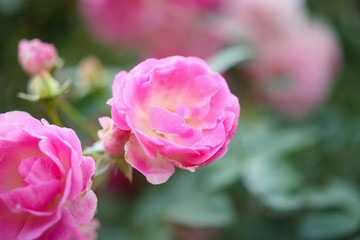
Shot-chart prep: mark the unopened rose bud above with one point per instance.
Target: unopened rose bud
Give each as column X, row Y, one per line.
column 36, row 56
column 90, row 70
column 112, row 138
column 44, row 85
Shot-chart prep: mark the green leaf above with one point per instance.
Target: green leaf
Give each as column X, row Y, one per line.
column 337, row 215
column 230, row 57
column 327, row 225
column 96, row 148
column 201, row 210
column 125, row 168
column 29, row 97
column 225, row 171
column 184, row 200
column 273, row 181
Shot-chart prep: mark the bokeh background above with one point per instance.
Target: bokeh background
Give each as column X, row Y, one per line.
column 292, row 170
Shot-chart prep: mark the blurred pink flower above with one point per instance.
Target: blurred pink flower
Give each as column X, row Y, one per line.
column 179, row 112
column 156, row 27
column 296, row 57
column 36, row 56
column 295, row 75
column 112, row 138
column 266, row 20
column 44, row 180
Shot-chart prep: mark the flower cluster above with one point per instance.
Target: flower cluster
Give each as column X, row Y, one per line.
column 166, row 112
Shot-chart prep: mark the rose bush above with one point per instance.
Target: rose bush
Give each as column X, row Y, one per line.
column 36, row 56
column 44, row 180
column 179, row 113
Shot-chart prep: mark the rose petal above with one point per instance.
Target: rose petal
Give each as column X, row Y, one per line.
column 165, row 121
column 83, row 208
column 156, row 170
column 10, row 223
column 37, row 196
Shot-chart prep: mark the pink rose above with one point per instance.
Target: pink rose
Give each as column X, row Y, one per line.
column 112, row 138
column 179, row 112
column 295, row 75
column 36, row 56
column 44, row 180
column 156, row 28
column 296, row 58
column 265, row 20
column 112, row 21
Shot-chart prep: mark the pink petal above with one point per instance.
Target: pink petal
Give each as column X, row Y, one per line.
column 156, row 170
column 38, row 170
column 10, row 223
column 62, row 229
column 86, row 232
column 83, row 208
column 181, row 110
column 10, row 178
column 117, row 82
column 35, row 226
column 165, row 121
column 37, row 196
column 14, row 116
column 88, row 169
column 49, row 149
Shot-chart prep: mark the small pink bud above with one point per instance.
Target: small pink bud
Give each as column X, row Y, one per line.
column 35, row 56
column 112, row 138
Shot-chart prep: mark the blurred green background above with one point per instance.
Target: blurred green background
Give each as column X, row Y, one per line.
column 281, row 179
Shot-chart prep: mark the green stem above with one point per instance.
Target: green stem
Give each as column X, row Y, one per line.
column 50, row 107
column 75, row 116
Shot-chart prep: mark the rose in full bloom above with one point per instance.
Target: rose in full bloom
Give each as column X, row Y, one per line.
column 36, row 56
column 155, row 27
column 179, row 113
column 44, row 180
